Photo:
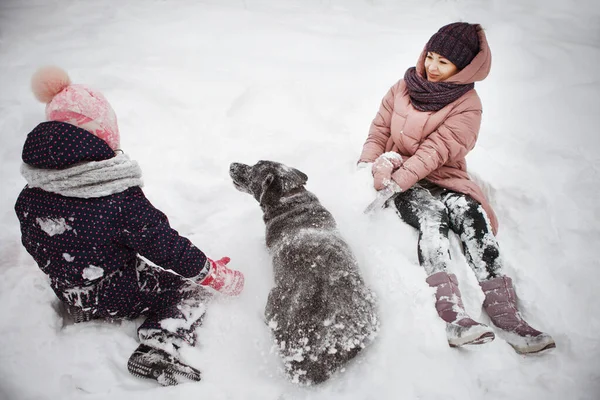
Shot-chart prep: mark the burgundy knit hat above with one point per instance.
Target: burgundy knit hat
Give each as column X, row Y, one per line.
column 458, row 42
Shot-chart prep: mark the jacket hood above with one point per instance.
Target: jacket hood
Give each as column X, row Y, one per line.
column 476, row 71
column 57, row 145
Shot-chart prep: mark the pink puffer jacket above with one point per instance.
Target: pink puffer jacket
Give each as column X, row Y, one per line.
column 433, row 145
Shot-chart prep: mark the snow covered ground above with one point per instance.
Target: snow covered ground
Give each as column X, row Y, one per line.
column 199, row 84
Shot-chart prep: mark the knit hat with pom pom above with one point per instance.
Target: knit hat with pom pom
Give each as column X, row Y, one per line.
column 75, row 104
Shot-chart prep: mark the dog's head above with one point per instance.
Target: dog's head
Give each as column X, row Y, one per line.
column 267, row 181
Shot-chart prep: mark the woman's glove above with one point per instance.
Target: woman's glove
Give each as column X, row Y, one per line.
column 382, row 169
column 222, row 279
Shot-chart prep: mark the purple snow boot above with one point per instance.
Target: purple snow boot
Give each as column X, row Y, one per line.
column 460, row 328
column 501, row 305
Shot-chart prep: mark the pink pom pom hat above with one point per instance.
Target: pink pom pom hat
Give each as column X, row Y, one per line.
column 75, row 104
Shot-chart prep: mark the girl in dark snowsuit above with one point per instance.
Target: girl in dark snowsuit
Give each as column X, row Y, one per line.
column 86, row 222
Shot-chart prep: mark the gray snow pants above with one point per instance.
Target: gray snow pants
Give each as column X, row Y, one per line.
column 434, row 211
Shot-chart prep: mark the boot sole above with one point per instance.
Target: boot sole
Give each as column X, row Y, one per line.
column 534, row 349
column 528, row 344
column 169, row 376
column 473, row 340
column 477, row 334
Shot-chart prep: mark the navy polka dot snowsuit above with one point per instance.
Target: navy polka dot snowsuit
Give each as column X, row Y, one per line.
column 90, row 247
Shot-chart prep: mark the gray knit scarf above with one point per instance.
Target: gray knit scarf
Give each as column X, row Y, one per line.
column 88, row 179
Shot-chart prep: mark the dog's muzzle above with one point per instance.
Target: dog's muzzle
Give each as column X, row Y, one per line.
column 239, row 174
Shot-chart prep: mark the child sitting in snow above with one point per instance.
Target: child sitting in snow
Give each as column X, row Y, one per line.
column 86, row 222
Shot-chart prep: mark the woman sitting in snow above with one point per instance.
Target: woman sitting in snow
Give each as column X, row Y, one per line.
column 86, row 222
column 427, row 123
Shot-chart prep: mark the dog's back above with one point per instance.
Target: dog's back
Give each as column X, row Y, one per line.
column 320, row 310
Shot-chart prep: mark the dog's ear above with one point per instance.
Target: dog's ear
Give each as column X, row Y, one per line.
column 303, row 177
column 271, row 189
column 291, row 179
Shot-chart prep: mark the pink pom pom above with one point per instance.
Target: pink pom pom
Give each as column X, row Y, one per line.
column 47, row 82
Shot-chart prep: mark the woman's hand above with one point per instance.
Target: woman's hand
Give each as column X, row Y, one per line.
column 383, row 167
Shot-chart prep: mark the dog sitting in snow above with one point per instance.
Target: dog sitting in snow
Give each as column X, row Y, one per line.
column 320, row 311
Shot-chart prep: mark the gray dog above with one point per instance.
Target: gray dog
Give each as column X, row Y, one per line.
column 320, row 311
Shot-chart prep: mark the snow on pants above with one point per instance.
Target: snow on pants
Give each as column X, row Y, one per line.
column 173, row 306
column 434, row 211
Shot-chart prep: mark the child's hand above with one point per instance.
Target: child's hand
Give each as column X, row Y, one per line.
column 222, row 279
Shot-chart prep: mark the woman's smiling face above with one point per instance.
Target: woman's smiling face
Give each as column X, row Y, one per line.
column 438, row 68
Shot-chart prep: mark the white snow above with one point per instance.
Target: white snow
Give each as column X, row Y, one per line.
column 190, row 315
column 53, row 226
column 197, row 85
column 92, row 272
column 68, row 257
column 75, row 296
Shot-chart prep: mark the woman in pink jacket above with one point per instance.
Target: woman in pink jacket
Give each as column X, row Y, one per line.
column 427, row 123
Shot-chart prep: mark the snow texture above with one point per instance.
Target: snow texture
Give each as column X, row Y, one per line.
column 92, row 272
column 53, row 226
column 197, row 85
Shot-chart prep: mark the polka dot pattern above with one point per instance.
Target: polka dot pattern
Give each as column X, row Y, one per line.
column 89, row 247
column 56, row 145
